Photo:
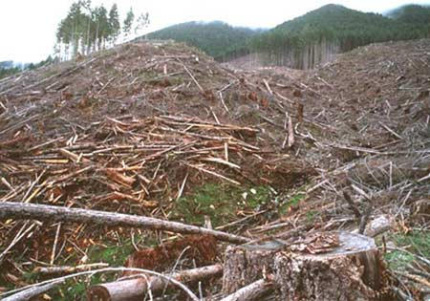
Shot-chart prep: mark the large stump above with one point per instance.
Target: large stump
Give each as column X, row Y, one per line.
column 323, row 266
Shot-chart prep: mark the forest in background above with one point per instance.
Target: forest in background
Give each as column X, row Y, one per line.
column 304, row 41
column 299, row 43
column 218, row 39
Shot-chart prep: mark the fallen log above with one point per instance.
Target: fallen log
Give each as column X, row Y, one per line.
column 32, row 292
column 254, row 291
column 323, row 266
column 11, row 210
column 135, row 289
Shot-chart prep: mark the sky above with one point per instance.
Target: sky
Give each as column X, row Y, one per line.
column 27, row 27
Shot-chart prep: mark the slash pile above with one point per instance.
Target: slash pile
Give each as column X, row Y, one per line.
column 136, row 128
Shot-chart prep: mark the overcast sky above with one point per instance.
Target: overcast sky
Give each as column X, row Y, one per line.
column 27, row 27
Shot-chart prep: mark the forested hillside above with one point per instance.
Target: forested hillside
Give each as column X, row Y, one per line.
column 415, row 14
column 217, row 39
column 305, row 41
column 314, row 37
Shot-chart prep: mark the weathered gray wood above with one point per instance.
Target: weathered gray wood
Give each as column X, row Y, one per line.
column 135, row 289
column 254, row 291
column 246, row 264
column 32, row 292
column 322, row 266
column 11, row 210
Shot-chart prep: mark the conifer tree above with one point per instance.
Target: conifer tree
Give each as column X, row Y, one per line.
column 128, row 22
column 114, row 25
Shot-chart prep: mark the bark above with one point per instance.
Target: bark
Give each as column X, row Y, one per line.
column 323, row 266
column 353, row 271
column 32, row 292
column 246, row 264
column 12, row 210
column 254, row 291
column 135, row 289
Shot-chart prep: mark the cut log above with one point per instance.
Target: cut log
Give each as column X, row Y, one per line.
column 11, row 210
column 323, row 266
column 254, row 291
column 135, row 289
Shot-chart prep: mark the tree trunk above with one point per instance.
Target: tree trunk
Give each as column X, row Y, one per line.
column 323, row 266
column 55, row 213
column 245, row 264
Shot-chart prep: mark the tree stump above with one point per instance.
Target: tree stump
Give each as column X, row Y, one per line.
column 246, row 264
column 323, row 266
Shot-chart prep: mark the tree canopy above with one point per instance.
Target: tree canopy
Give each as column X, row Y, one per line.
column 217, row 39
column 87, row 28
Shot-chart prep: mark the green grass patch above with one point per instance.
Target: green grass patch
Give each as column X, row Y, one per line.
column 220, row 202
column 416, row 242
column 291, row 202
column 113, row 253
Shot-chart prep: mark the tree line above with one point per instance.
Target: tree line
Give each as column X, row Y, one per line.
column 216, row 38
column 338, row 28
column 86, row 28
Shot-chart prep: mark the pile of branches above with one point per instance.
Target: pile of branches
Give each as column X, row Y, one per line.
column 362, row 121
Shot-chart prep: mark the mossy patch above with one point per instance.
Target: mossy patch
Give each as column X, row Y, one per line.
column 291, row 202
column 220, row 202
column 415, row 242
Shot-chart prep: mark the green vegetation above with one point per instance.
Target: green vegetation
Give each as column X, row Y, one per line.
column 220, row 202
column 9, row 68
column 332, row 28
column 306, row 40
column 86, row 28
column 217, row 39
column 415, row 242
column 291, row 202
column 414, row 14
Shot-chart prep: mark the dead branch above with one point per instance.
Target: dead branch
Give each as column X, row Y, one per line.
column 137, row 288
column 54, row 213
column 33, row 291
column 69, row 269
column 351, row 204
column 252, row 291
column 36, row 289
column 365, row 218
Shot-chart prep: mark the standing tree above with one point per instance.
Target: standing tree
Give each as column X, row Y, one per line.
column 101, row 26
column 87, row 29
column 114, row 24
column 128, row 23
column 142, row 22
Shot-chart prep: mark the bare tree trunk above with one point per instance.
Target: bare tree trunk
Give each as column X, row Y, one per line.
column 54, row 213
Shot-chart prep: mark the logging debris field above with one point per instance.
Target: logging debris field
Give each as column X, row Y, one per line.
column 151, row 158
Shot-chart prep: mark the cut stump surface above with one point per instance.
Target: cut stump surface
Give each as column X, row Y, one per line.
column 323, row 266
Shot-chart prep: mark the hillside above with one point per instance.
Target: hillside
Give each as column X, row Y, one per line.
column 412, row 14
column 316, row 36
column 217, row 39
column 161, row 130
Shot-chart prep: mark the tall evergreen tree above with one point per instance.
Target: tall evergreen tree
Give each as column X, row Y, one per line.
column 128, row 22
column 87, row 29
column 114, row 24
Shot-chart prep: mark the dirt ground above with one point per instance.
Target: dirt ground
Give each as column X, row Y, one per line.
column 162, row 130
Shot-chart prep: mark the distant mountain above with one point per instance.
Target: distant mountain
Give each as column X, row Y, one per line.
column 304, row 41
column 412, row 13
column 309, row 39
column 217, row 38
